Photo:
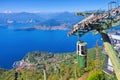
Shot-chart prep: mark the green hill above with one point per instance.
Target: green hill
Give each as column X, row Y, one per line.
column 58, row 66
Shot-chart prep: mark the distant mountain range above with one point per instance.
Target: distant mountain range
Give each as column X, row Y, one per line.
column 44, row 21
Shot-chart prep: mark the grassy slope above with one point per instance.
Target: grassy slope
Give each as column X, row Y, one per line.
column 67, row 69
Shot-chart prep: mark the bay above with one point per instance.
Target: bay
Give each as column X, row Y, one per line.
column 14, row 45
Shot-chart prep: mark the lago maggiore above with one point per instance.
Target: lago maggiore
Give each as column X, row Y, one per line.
column 59, row 40
column 15, row 44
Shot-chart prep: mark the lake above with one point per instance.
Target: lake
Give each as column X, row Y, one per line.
column 14, row 45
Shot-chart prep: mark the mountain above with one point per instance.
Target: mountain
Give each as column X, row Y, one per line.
column 39, row 20
column 50, row 22
column 22, row 17
column 68, row 17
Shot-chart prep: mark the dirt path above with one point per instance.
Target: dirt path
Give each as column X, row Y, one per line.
column 84, row 77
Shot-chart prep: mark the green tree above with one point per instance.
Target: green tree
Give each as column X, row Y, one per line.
column 99, row 75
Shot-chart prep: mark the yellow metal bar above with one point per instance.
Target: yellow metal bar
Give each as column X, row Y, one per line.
column 114, row 59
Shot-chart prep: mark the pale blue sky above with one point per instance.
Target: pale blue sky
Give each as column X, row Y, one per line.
column 51, row 5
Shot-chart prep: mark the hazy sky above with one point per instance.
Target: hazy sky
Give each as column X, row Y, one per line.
column 51, row 5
